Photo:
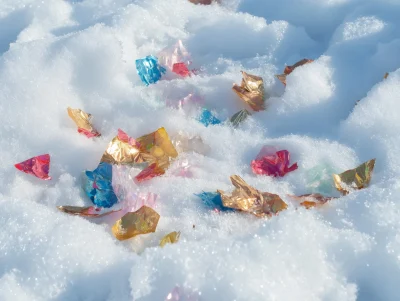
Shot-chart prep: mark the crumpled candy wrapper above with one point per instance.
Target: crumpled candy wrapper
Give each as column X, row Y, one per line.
column 176, row 58
column 251, row 91
column 82, row 121
column 98, row 186
column 149, row 70
column 142, row 221
column 207, row 118
column 181, row 69
column 289, row 69
column 239, row 117
column 179, row 294
column 170, row 238
column 90, row 211
column 185, row 143
column 249, row 199
column 312, row 200
column 152, row 171
column 272, row 163
column 353, row 179
column 38, row 166
column 213, row 200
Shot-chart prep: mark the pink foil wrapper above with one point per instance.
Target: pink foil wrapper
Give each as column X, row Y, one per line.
column 173, row 55
column 188, row 104
column 38, row 166
column 271, row 162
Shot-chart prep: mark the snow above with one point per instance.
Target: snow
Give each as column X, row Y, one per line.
column 57, row 54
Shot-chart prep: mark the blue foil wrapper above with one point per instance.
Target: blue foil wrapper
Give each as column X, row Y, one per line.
column 213, row 200
column 207, row 118
column 149, row 70
column 97, row 186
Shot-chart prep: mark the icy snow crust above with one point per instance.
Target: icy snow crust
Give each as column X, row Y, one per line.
column 82, row 54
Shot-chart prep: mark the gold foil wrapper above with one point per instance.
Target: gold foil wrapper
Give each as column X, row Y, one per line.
column 312, row 200
column 249, row 199
column 170, row 238
column 289, row 69
column 142, row 221
column 354, row 179
column 82, row 120
column 84, row 211
column 251, row 91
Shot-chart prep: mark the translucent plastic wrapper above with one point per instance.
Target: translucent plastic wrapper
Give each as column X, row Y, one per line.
column 213, row 200
column 249, row 199
column 239, row 117
column 185, row 143
column 170, row 238
column 142, row 221
column 90, row 211
column 354, row 179
column 319, row 179
column 180, row 294
column 207, row 118
column 176, row 54
column 97, row 185
column 289, row 69
column 83, row 122
column 37, row 166
column 149, row 70
column 251, row 91
column 312, row 200
column 272, row 163
column 188, row 104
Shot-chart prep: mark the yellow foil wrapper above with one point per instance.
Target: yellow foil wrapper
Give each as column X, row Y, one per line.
column 357, row 178
column 82, row 120
column 142, row 221
column 251, row 91
column 249, row 199
column 84, row 211
column 170, row 238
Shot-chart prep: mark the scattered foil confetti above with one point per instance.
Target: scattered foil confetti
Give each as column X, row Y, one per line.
column 251, row 91
column 249, row 199
column 289, row 69
column 82, row 121
column 142, row 221
column 207, row 118
column 170, row 238
column 312, row 200
column 149, row 70
column 179, row 294
column 213, row 200
column 84, row 211
column 239, row 117
column 353, row 179
column 98, row 186
column 38, row 166
column 272, row 163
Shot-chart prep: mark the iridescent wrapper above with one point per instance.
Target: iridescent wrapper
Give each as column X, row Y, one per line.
column 82, row 121
column 239, row 117
column 170, row 238
column 251, row 91
column 312, row 200
column 37, row 166
column 149, row 172
column 142, row 221
column 90, row 211
column 149, row 70
column 184, row 143
column 176, row 54
column 249, row 199
column 207, row 118
column 271, row 162
column 289, row 69
column 354, row 179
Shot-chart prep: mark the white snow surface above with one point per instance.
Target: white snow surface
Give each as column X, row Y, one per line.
column 81, row 54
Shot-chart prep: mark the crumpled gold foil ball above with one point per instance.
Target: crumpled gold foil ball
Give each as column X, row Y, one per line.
column 142, row 221
column 249, row 199
column 357, row 178
column 170, row 238
column 251, row 91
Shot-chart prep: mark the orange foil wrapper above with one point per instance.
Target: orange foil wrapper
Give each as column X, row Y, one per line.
column 170, row 238
column 84, row 211
column 142, row 221
column 251, row 91
column 82, row 121
column 354, row 179
column 289, row 69
column 249, row 199
column 312, row 200
column 149, row 172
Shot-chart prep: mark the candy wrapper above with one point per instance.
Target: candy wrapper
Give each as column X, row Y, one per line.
column 184, row 143
column 152, row 171
column 181, row 69
column 142, row 221
column 38, row 166
column 272, row 163
column 249, row 199
column 98, row 186
column 82, row 121
column 187, row 104
column 177, row 54
column 170, row 238
column 213, row 200
column 239, row 117
column 179, row 294
column 289, row 69
column 312, row 200
column 251, row 91
column 84, row 211
column 182, row 168
column 207, row 118
column 353, row 179
column 319, row 179
column 149, row 70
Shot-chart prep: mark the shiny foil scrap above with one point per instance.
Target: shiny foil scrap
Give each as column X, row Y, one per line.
column 181, row 69
column 249, row 199
column 213, row 200
column 289, row 69
column 149, row 70
column 83, row 122
column 207, row 118
column 170, row 238
column 239, row 117
column 176, row 54
column 37, row 166
column 98, row 186
column 149, row 172
column 251, row 91
column 272, row 163
column 312, row 200
column 354, row 179
column 142, row 221
column 90, row 211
